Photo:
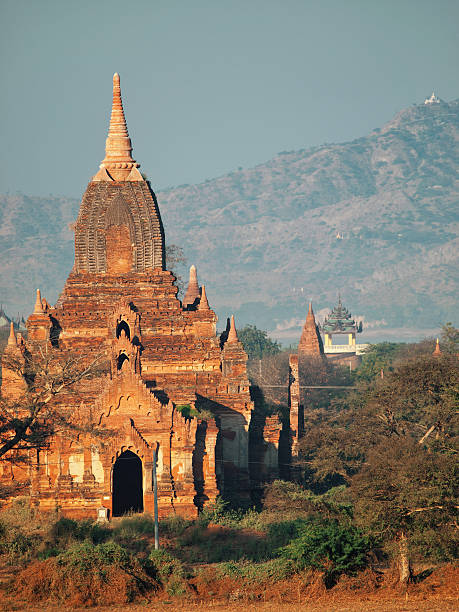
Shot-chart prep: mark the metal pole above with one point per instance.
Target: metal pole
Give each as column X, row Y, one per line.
column 155, row 498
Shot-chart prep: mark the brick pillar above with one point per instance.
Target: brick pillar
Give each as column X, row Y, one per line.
column 165, row 491
column 294, row 403
column 210, row 477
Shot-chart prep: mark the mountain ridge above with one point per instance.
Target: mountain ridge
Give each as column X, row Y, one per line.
column 375, row 218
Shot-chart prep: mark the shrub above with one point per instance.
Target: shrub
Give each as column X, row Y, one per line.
column 173, row 526
column 218, row 543
column 169, row 571
column 21, row 515
column 253, row 519
column 16, row 545
column 194, row 536
column 65, row 530
column 140, row 524
column 213, row 513
column 86, row 555
column 165, row 565
column 329, row 546
column 134, row 534
column 86, row 574
column 283, row 495
column 272, row 570
column 280, row 534
column 221, row 513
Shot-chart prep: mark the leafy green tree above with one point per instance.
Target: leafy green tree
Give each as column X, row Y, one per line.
column 450, row 338
column 417, row 400
column 377, row 357
column 405, row 490
column 329, row 546
column 256, row 342
column 393, row 442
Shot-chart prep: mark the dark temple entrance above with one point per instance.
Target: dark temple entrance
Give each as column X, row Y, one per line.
column 127, row 484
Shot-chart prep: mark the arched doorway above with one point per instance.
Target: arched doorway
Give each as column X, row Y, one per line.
column 127, row 493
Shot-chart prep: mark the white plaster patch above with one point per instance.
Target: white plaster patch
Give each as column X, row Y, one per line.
column 97, row 468
column 76, row 466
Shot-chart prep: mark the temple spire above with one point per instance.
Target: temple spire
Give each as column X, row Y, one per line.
column 437, row 350
column 310, row 341
column 192, row 292
column 232, row 335
column 118, row 161
column 12, row 337
column 38, row 309
column 203, row 304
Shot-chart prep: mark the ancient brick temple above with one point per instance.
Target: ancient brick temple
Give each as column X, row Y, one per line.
column 170, row 386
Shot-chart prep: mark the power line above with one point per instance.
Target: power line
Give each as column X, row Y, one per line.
column 308, row 387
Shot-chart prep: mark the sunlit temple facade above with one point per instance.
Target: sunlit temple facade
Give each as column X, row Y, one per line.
column 167, row 386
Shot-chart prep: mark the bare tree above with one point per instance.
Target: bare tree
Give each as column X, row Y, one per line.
column 175, row 262
column 36, row 375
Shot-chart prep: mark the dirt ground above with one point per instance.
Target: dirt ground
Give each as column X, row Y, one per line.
column 394, row 605
column 374, row 603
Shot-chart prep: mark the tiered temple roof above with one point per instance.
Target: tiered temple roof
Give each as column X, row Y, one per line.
column 340, row 321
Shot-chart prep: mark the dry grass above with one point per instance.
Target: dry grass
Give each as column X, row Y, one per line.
column 50, row 580
column 88, row 570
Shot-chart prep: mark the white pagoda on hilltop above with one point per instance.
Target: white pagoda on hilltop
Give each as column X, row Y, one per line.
column 432, row 100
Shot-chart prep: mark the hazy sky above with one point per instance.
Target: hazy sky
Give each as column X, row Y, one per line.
column 208, row 85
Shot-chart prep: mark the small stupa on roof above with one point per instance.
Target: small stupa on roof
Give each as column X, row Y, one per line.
column 340, row 321
column 192, row 293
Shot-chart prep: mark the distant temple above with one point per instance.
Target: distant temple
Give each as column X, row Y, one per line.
column 310, row 341
column 340, row 322
column 433, row 99
column 5, row 320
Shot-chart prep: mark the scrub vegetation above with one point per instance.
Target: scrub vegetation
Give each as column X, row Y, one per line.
column 373, row 509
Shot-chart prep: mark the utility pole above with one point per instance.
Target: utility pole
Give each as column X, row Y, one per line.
column 155, row 497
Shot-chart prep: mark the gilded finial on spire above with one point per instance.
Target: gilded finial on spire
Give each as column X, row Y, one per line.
column 12, row 337
column 118, row 161
column 232, row 335
column 203, row 304
column 38, row 309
